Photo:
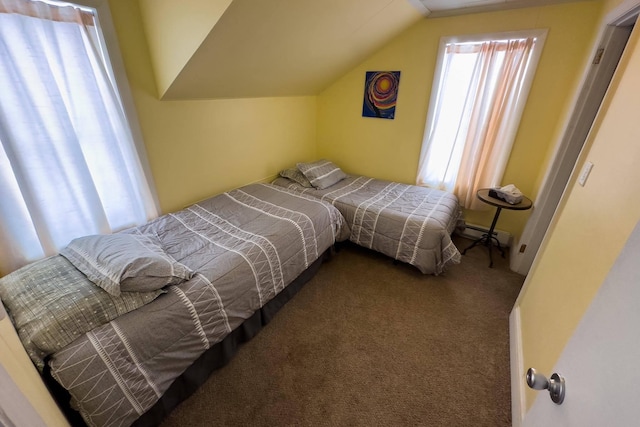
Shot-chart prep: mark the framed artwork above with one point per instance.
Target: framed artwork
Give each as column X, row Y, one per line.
column 380, row 94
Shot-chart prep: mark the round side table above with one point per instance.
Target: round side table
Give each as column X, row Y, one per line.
column 488, row 238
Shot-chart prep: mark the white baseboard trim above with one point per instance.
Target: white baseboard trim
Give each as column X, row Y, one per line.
column 474, row 232
column 518, row 403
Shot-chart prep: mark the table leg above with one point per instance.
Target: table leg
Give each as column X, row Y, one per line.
column 488, row 238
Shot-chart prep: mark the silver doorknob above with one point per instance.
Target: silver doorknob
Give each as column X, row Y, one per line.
column 555, row 384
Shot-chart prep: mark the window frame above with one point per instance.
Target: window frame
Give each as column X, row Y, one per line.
column 540, row 34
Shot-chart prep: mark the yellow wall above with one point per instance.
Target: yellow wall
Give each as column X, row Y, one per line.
column 200, row 148
column 175, row 30
column 389, row 149
column 591, row 226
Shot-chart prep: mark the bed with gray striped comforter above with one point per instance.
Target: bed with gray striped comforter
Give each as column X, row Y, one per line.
column 245, row 246
column 408, row 223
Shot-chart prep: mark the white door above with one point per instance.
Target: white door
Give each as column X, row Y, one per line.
column 601, row 361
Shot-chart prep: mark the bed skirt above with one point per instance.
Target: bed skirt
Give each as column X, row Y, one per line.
column 198, row 373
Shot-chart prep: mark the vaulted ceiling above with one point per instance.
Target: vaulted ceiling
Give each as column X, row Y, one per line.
column 210, row 49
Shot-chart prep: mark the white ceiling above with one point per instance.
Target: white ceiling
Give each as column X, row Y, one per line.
column 299, row 47
column 439, row 8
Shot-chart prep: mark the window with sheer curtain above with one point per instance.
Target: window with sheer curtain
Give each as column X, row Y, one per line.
column 478, row 94
column 68, row 162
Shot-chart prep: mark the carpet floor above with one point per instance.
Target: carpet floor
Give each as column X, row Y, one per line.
column 371, row 343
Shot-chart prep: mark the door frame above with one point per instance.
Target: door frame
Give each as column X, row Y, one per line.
column 594, row 83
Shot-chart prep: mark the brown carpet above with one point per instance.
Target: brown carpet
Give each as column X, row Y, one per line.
column 370, row 343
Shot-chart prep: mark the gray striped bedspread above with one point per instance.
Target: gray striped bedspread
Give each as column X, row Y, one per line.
column 245, row 246
column 408, row 223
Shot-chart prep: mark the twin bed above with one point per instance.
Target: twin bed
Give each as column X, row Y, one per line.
column 223, row 268
column 408, row 223
column 124, row 327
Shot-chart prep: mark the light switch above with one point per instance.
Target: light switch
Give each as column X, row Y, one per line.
column 586, row 169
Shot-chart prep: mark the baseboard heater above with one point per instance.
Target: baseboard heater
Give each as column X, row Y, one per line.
column 472, row 231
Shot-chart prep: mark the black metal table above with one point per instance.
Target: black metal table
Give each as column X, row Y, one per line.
column 488, row 238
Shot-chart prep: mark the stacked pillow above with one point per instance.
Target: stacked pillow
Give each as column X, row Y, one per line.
column 319, row 175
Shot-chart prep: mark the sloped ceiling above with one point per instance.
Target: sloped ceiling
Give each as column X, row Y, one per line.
column 212, row 49
column 261, row 48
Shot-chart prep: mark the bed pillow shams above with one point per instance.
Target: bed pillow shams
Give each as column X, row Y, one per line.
column 321, row 174
column 51, row 304
column 297, row 176
column 125, row 262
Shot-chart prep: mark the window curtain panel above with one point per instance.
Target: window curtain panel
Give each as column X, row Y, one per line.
column 68, row 164
column 477, row 156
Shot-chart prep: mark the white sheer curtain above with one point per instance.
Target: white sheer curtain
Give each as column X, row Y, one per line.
column 68, row 165
column 473, row 121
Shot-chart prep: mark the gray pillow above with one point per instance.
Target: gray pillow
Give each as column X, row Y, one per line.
column 297, row 176
column 321, row 174
column 125, row 262
column 51, row 304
